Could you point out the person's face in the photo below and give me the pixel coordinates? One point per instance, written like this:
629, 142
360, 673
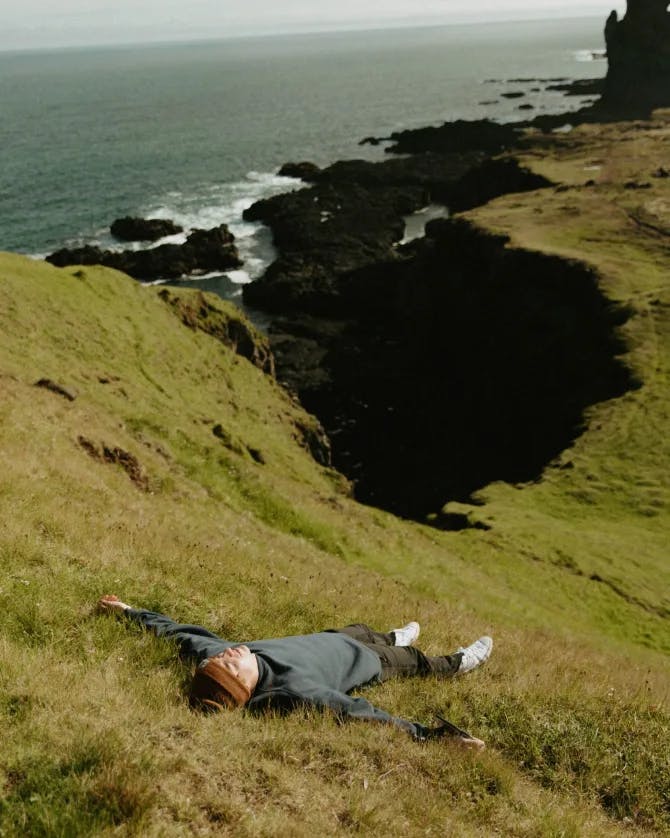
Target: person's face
241, 662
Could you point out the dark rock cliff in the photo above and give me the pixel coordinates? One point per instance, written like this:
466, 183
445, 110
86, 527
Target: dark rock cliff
353, 216
638, 52
465, 363
441, 365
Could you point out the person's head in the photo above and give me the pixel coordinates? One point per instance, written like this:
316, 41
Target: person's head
226, 680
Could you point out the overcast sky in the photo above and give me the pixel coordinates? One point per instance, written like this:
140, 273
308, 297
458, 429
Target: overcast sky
46, 23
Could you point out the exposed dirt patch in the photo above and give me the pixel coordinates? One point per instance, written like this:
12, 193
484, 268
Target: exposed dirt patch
108, 454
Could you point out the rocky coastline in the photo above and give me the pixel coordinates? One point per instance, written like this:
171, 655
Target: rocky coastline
455, 362
442, 364
202, 252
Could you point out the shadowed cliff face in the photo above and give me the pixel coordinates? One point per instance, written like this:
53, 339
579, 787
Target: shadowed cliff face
445, 364
638, 52
468, 363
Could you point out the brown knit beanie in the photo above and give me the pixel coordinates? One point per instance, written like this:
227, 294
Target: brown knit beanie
215, 688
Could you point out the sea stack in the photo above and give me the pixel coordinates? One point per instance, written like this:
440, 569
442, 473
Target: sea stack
638, 52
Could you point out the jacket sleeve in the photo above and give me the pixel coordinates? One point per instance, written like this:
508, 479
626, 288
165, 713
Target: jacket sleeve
194, 641
344, 706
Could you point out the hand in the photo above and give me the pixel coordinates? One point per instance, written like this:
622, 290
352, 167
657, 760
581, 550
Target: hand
110, 603
460, 737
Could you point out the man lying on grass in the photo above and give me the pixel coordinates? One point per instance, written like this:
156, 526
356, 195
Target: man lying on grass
312, 669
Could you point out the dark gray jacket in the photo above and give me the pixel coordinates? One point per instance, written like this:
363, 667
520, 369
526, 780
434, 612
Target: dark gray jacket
313, 669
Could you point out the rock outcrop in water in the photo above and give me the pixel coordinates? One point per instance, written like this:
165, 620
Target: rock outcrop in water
203, 251
638, 52
454, 137
130, 229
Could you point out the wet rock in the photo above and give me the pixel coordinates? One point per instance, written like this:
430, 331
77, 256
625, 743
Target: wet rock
203, 251
430, 171
325, 233
580, 87
458, 136
143, 229
86, 255
304, 171
212, 249
354, 216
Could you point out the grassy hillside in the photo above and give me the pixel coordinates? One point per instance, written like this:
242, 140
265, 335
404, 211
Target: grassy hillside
179, 478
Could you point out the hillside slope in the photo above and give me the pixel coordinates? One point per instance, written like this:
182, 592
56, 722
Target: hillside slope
180, 478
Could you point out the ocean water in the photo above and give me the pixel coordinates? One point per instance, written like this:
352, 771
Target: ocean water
197, 132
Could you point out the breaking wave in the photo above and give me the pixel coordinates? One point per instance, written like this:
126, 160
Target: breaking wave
590, 55
221, 203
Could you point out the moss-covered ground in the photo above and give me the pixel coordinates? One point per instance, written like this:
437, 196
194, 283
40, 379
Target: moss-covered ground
241, 530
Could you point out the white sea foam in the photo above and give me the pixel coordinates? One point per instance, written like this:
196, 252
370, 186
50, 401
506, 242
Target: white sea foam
239, 277
590, 55
415, 224
214, 204
225, 203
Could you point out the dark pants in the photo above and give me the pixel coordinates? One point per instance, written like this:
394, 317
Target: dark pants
401, 661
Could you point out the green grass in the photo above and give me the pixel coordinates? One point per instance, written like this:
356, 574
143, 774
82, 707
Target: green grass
93, 788
572, 580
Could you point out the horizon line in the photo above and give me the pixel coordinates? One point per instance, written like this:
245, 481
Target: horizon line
323, 30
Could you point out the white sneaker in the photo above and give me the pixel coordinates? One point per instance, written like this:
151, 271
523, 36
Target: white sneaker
475, 654
406, 635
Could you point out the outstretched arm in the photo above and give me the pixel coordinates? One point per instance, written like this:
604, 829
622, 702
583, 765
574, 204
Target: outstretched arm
194, 641
347, 707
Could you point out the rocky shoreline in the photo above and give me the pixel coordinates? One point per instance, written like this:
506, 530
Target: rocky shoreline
439, 365
202, 252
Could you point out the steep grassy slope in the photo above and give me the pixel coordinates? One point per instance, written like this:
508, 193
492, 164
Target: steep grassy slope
179, 479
